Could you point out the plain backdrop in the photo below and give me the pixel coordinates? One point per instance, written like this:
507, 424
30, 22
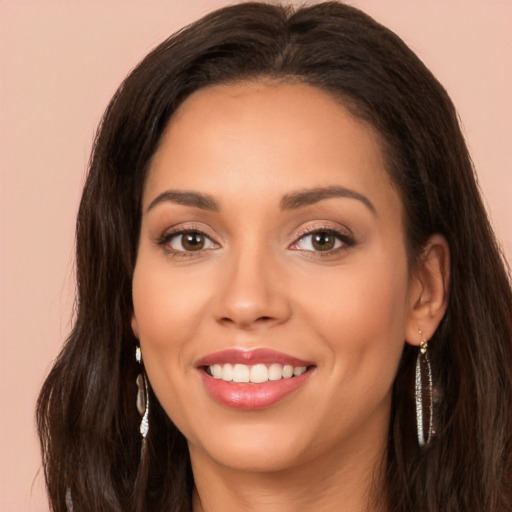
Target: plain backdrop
61, 61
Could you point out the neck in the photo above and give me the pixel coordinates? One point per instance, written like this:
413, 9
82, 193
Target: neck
344, 479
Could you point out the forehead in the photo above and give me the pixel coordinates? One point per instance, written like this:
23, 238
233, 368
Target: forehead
266, 137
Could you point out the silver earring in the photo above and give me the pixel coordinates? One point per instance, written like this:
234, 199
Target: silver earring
423, 393
142, 397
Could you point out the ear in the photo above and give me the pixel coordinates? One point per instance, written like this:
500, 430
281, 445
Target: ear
428, 290
135, 325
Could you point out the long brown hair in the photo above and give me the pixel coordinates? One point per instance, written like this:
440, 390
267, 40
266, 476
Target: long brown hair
86, 413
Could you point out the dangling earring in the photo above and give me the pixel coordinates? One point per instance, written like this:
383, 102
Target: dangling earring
142, 398
423, 393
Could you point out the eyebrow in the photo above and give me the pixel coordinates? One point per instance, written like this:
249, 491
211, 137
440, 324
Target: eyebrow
289, 201
308, 197
186, 198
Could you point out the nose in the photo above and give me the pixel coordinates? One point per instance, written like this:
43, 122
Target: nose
251, 292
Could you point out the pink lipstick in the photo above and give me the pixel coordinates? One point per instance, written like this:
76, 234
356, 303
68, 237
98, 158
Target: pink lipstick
252, 379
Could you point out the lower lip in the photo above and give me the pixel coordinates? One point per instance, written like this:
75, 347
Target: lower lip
252, 396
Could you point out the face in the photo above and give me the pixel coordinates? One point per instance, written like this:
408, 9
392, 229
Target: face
271, 288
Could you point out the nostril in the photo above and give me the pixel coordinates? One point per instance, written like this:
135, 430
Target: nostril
247, 323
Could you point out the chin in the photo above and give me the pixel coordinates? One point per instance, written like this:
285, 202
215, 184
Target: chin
254, 448
252, 457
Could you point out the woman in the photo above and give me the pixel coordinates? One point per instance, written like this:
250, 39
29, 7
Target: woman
284, 261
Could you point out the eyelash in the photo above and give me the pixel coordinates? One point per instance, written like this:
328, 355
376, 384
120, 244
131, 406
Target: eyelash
167, 237
346, 240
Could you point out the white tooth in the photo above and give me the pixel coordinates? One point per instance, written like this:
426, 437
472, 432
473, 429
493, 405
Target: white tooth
299, 370
227, 372
258, 373
275, 372
240, 373
216, 371
287, 371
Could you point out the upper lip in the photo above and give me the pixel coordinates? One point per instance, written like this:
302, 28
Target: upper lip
251, 357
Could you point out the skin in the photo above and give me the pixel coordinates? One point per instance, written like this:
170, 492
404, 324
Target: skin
259, 282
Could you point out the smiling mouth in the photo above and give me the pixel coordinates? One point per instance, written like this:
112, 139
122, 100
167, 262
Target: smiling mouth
253, 379
254, 374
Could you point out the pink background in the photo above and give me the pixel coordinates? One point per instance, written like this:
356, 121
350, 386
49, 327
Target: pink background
60, 62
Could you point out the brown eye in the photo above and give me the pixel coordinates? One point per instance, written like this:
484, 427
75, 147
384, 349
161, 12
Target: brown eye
189, 241
192, 241
323, 241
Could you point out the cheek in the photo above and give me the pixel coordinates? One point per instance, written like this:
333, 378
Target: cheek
359, 319
166, 312
166, 307
172, 306
361, 315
